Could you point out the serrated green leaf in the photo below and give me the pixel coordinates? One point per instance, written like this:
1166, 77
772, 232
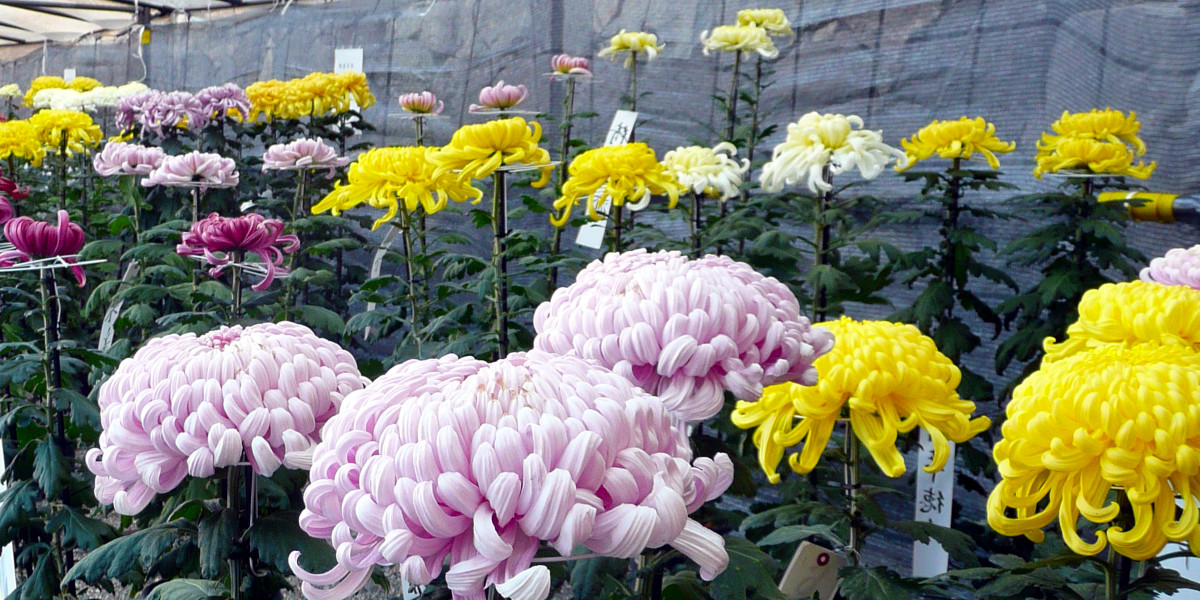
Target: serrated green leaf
43, 581
593, 578
319, 317
794, 533
278, 534
876, 583
51, 469
188, 589
750, 574
79, 530
958, 544
215, 537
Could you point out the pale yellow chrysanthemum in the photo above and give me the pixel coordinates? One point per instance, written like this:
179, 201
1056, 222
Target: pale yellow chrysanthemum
10, 90
19, 138
476, 151
956, 139
41, 83
739, 38
71, 129
773, 20
633, 43
888, 378
1057, 154
818, 141
1117, 416
83, 84
709, 171
385, 177
630, 174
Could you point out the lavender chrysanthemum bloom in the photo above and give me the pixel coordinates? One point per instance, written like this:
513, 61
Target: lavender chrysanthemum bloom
188, 405
120, 158
1179, 267
171, 110
219, 240
482, 462
223, 101
424, 103
131, 108
303, 154
684, 330
200, 169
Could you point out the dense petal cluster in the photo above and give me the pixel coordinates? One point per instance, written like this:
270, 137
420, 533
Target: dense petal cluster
818, 142
1179, 267
565, 64
58, 99
110, 96
44, 82
68, 130
773, 20
227, 101
314, 95
10, 90
476, 151
956, 139
1123, 416
222, 241
739, 38
1102, 142
633, 43
84, 84
173, 110
36, 240
889, 377
303, 153
200, 169
479, 463
709, 171
19, 138
1132, 313
684, 330
500, 97
120, 158
188, 405
630, 175
424, 103
385, 177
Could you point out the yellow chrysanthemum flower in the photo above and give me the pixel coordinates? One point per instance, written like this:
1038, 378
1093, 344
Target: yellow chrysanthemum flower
1106, 125
1057, 154
476, 151
1117, 416
630, 174
354, 84
265, 98
773, 20
10, 90
69, 128
955, 139
889, 377
739, 38
44, 82
383, 177
1131, 313
713, 172
84, 84
314, 95
633, 43
20, 139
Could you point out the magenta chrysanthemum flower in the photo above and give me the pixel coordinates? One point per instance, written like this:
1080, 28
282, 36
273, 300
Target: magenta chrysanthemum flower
10, 188
6, 210
35, 240
684, 330
500, 97
482, 462
565, 64
120, 158
223, 101
200, 169
219, 239
424, 103
1179, 267
187, 405
303, 154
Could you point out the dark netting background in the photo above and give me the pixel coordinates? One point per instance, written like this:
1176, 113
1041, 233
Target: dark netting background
896, 63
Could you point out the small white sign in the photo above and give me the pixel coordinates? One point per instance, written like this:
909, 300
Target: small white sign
377, 264
68, 74
591, 234
935, 497
109, 324
1188, 567
348, 59
813, 571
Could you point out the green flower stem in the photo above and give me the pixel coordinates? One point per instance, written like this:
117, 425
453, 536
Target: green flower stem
52, 364
419, 122
697, 224
241, 497
414, 317
633, 94
822, 232
850, 479
62, 174
953, 210
731, 104
752, 141
564, 157
235, 285
618, 216
500, 259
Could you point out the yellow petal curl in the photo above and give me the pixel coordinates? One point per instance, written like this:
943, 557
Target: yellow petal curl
476, 151
1130, 313
633, 43
1103, 142
75, 128
629, 174
955, 139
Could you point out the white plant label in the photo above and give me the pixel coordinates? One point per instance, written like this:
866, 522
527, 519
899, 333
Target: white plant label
591, 235
935, 496
812, 571
68, 74
348, 59
109, 324
377, 264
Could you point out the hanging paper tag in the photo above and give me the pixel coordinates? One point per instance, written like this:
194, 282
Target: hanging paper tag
1187, 566
109, 324
591, 235
813, 570
377, 264
935, 495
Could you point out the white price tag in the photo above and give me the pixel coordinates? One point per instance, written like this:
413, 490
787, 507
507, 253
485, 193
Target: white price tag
591, 235
935, 497
68, 74
109, 324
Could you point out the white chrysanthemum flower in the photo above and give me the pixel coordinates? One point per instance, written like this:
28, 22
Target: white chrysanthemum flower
817, 141
58, 99
131, 88
11, 90
739, 38
105, 96
711, 171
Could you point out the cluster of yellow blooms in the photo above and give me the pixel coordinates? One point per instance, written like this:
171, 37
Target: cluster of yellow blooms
1099, 142
959, 139
630, 174
753, 32
887, 378
65, 129
19, 139
314, 95
46, 82
1114, 407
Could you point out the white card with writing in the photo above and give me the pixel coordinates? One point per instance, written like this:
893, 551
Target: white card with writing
1188, 567
935, 497
591, 234
813, 570
108, 325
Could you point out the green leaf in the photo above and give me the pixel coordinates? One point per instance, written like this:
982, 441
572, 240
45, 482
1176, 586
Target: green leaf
682, 586
750, 574
795, 533
50, 468
958, 544
16, 504
215, 538
592, 578
43, 582
278, 534
188, 589
322, 318
118, 559
877, 583
80, 530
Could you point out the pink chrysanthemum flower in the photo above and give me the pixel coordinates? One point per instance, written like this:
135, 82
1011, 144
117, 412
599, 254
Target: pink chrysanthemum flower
482, 462
131, 108
684, 330
224, 101
500, 97
201, 169
120, 158
6, 210
36, 240
303, 154
188, 405
565, 64
1179, 267
424, 103
219, 239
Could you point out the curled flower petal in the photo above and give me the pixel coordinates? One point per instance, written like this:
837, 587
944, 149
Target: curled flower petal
1179, 267
220, 239
818, 142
